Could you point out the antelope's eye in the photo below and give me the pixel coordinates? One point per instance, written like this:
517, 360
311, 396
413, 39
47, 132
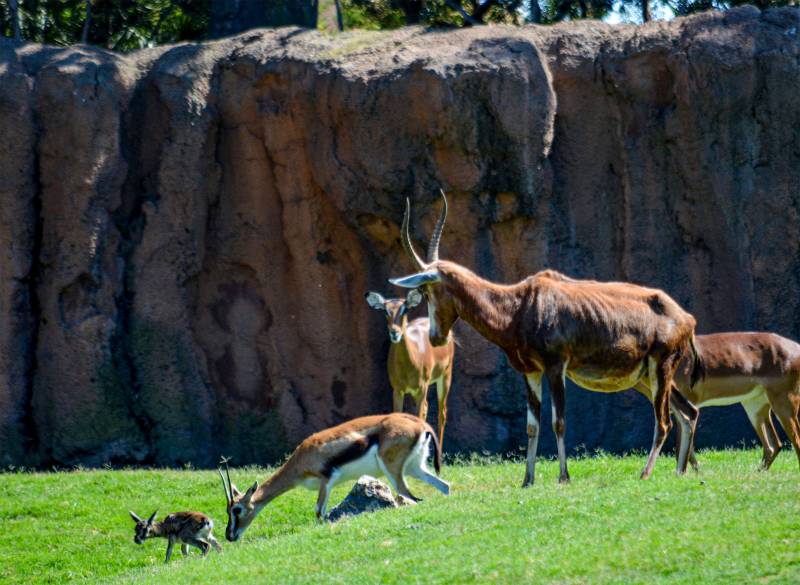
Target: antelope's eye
237, 511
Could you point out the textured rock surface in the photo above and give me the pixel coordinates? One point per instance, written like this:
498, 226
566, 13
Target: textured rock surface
187, 232
367, 495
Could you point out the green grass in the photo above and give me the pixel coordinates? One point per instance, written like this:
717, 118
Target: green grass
727, 524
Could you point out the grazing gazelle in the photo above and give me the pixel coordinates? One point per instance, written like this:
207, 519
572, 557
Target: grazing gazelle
190, 528
414, 364
393, 445
760, 371
604, 336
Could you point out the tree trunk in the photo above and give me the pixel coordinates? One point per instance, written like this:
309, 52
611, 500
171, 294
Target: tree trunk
535, 12
14, 7
87, 23
412, 10
645, 10
339, 18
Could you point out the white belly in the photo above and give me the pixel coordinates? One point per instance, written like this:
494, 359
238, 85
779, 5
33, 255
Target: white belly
367, 464
728, 400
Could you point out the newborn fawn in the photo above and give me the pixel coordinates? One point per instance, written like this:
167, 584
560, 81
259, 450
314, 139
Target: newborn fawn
190, 528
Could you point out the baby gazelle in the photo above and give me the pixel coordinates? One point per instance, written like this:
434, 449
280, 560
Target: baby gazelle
393, 445
190, 528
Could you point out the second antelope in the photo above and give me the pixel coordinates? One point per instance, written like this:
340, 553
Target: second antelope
188, 528
386, 444
760, 371
414, 363
604, 336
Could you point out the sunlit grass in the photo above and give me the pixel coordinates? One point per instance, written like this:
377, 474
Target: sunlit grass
728, 524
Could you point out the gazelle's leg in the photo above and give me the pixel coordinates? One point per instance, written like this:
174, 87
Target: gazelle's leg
786, 408
660, 376
686, 414
170, 544
442, 391
418, 467
201, 544
422, 403
772, 434
184, 549
393, 470
215, 543
325, 487
397, 400
555, 379
533, 382
757, 410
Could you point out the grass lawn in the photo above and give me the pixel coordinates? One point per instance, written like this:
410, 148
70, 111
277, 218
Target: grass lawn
727, 524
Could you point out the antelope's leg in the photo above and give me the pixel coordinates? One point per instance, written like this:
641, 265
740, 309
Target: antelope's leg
660, 376
215, 543
393, 470
442, 391
555, 379
325, 487
423, 403
774, 440
201, 544
170, 544
786, 410
397, 400
686, 415
757, 410
533, 382
184, 549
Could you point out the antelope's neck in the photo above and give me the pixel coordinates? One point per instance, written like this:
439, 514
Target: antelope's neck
279, 483
489, 307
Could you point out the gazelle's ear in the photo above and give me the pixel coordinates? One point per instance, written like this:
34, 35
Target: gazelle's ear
235, 491
375, 301
134, 516
414, 298
249, 493
152, 517
418, 279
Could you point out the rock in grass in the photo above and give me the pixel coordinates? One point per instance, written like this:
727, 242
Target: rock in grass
368, 495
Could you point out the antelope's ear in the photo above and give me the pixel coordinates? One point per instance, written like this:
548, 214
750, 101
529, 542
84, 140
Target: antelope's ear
134, 516
418, 279
152, 517
375, 301
235, 491
414, 298
249, 493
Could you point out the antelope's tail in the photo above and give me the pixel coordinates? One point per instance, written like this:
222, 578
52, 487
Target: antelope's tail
698, 365
437, 453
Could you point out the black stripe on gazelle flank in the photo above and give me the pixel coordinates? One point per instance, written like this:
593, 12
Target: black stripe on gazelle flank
352, 452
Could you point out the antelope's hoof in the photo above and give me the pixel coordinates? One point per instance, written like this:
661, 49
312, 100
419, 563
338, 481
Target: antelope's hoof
564, 479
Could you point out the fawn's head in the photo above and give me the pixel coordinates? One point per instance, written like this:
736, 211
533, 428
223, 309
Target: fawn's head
144, 528
396, 311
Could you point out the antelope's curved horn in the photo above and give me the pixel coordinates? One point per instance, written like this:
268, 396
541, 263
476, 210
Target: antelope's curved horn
224, 486
406, 239
433, 247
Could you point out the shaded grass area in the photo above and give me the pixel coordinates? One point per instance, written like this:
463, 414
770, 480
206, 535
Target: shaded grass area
728, 524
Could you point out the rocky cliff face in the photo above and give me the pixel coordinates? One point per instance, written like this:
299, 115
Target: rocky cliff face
187, 233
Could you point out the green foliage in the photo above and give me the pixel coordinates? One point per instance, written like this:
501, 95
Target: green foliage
728, 524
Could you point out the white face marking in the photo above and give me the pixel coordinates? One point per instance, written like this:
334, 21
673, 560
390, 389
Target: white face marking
434, 325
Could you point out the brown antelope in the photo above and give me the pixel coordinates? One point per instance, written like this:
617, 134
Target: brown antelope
604, 336
414, 364
387, 444
190, 528
760, 371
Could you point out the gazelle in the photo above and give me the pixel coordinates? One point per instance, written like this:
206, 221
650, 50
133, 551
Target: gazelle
388, 444
190, 528
760, 371
414, 364
604, 336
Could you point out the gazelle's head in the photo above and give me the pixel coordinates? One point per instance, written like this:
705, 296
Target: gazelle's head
441, 305
241, 509
396, 311
144, 528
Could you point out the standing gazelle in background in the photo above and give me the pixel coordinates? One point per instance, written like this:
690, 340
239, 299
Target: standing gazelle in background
414, 363
188, 528
760, 371
604, 336
386, 444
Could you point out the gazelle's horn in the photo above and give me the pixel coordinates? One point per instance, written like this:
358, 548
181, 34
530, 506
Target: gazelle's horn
227, 487
433, 248
406, 239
